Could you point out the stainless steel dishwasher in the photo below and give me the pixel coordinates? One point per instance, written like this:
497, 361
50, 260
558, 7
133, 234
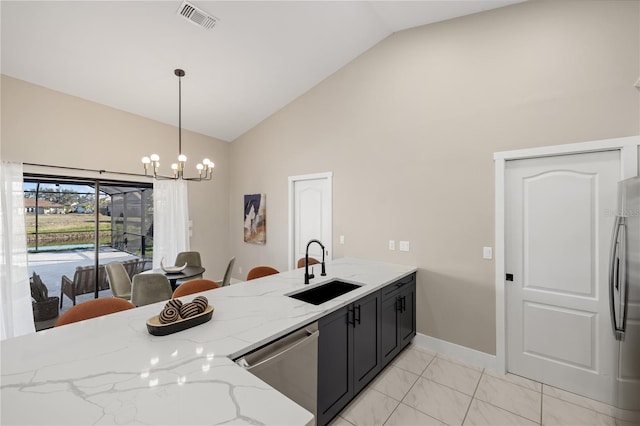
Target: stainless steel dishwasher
290, 365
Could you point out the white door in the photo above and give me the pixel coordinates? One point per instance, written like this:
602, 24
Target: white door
310, 216
559, 218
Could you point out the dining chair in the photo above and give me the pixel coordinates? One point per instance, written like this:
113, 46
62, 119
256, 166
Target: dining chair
227, 274
119, 281
312, 261
150, 288
261, 271
92, 309
191, 258
194, 286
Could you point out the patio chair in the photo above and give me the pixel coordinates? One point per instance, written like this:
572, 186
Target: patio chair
132, 267
150, 288
119, 279
83, 282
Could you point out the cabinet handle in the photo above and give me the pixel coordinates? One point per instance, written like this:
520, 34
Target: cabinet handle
352, 321
358, 318
399, 304
404, 303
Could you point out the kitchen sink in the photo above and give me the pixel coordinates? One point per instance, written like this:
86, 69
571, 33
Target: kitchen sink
325, 292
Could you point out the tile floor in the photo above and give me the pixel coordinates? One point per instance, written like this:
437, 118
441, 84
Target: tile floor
425, 388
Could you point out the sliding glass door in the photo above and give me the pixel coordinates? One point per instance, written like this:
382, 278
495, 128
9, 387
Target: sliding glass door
76, 226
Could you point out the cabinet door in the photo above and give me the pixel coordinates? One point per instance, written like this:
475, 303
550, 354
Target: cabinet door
389, 326
407, 315
366, 340
335, 358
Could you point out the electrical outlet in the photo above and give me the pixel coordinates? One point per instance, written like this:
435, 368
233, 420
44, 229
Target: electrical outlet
487, 253
404, 245
341, 239
392, 244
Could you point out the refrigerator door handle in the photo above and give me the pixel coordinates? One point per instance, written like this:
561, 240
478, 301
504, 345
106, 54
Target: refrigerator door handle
617, 273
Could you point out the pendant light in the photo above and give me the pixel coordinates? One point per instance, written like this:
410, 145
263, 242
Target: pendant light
205, 169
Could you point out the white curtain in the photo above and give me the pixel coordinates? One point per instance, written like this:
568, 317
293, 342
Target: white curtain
16, 315
170, 220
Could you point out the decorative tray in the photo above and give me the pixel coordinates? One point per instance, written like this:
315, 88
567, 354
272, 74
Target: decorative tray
155, 327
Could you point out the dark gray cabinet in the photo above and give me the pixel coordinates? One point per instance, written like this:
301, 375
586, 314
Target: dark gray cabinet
358, 340
335, 360
398, 312
348, 354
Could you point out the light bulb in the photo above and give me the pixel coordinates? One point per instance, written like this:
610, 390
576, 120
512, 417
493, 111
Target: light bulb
206, 161
182, 158
146, 160
155, 157
199, 166
174, 166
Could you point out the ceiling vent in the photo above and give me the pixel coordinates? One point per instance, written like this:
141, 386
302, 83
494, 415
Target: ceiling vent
196, 15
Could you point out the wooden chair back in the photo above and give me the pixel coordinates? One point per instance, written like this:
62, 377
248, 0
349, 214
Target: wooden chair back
194, 286
92, 309
261, 271
312, 261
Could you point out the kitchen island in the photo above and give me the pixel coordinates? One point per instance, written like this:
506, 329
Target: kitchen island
110, 370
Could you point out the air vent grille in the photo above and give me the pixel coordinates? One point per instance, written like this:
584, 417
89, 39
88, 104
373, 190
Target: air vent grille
197, 16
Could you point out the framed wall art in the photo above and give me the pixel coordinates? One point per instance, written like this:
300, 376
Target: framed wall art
255, 219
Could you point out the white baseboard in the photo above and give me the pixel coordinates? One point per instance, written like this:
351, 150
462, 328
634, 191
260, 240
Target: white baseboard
464, 354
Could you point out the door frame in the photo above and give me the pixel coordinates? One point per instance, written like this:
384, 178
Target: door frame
292, 181
628, 147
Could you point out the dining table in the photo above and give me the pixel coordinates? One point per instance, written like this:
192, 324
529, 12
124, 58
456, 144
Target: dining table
174, 277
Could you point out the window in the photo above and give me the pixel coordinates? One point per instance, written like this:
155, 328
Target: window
62, 217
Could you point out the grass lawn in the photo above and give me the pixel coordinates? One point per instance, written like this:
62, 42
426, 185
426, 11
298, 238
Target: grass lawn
72, 222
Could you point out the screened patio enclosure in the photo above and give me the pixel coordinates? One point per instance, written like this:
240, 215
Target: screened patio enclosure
73, 222
65, 214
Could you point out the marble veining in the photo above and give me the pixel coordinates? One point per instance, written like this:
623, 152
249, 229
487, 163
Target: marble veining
110, 370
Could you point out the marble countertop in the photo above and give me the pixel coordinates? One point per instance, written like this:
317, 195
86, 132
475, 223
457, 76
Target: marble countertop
110, 370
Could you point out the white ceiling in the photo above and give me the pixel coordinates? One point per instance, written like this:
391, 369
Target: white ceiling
259, 57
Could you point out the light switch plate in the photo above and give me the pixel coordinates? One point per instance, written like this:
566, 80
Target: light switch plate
487, 253
392, 244
404, 245
341, 239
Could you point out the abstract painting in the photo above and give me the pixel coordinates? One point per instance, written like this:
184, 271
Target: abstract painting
255, 219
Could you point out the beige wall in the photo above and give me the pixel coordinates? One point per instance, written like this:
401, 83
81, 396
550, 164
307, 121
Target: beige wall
409, 129
42, 126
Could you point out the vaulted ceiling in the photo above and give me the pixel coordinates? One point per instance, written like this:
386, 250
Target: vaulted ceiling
257, 58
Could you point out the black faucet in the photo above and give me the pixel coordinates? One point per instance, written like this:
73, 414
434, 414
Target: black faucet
306, 262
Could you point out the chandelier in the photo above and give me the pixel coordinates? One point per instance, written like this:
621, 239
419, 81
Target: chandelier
205, 169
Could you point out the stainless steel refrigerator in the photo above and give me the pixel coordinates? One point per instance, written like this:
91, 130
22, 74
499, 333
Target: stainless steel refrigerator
624, 296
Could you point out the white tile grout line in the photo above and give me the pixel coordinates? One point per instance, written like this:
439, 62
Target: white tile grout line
473, 397
407, 392
504, 409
